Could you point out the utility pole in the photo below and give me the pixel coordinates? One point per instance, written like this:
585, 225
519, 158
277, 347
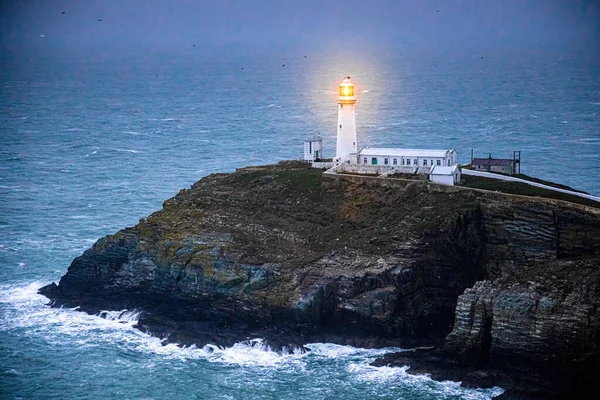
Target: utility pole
517, 161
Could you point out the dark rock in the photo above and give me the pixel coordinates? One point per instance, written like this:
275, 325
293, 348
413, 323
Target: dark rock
506, 287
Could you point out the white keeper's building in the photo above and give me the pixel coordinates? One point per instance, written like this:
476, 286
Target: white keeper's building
440, 164
406, 157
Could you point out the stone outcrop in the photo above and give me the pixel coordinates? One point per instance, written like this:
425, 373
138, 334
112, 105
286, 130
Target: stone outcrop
500, 284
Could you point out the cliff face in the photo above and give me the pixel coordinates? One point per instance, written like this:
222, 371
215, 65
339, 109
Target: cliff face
286, 253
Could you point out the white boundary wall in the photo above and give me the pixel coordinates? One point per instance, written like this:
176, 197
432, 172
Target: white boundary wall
359, 169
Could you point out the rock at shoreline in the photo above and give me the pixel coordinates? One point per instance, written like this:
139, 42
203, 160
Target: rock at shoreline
506, 287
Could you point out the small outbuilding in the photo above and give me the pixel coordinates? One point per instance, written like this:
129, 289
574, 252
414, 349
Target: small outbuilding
502, 165
313, 149
445, 175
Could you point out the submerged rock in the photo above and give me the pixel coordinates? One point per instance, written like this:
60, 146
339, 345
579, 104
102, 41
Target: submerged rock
506, 287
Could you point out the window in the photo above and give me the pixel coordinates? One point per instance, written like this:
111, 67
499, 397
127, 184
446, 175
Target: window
365, 160
415, 162
395, 161
403, 161
386, 161
374, 161
408, 162
340, 126
424, 162
439, 162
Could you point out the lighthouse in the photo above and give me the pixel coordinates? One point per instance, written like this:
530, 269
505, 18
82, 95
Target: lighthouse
346, 129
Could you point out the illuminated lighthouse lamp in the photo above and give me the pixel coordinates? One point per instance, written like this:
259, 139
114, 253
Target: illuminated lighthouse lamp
346, 88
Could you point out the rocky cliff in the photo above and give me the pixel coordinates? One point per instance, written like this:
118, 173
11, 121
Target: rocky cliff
507, 287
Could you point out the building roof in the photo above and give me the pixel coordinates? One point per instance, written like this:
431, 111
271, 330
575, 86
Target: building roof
317, 139
394, 152
443, 170
492, 162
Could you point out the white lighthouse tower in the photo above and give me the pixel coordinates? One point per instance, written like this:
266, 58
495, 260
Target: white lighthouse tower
346, 130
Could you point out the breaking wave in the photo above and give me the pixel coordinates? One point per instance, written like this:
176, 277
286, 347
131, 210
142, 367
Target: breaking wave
27, 312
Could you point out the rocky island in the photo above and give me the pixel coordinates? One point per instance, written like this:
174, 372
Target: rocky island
502, 289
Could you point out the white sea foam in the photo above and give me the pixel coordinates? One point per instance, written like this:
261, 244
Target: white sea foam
252, 353
128, 151
330, 350
123, 315
26, 311
589, 140
399, 377
161, 119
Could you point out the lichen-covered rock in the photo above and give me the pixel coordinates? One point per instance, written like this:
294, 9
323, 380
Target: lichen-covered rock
286, 253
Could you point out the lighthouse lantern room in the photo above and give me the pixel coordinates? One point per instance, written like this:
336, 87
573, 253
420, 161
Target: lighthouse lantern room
346, 130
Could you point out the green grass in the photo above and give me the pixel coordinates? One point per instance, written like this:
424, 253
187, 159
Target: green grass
523, 189
548, 183
533, 179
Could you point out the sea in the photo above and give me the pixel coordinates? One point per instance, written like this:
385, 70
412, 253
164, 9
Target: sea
90, 142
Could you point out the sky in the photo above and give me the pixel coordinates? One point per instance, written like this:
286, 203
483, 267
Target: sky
423, 24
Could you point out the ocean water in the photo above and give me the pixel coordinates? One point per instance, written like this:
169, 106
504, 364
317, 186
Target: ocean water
90, 143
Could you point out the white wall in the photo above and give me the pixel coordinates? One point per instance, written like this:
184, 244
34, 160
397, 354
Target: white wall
381, 160
442, 179
310, 147
346, 131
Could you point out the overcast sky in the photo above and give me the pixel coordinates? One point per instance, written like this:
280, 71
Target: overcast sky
417, 23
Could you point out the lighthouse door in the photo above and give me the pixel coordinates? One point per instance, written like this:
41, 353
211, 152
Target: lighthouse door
316, 154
